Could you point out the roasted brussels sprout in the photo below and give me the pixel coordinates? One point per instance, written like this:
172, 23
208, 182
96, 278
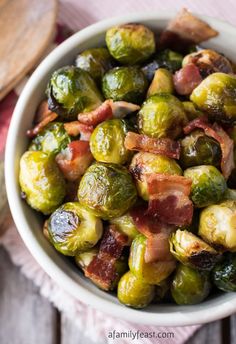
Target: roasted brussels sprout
134, 292
218, 225
162, 82
191, 111
95, 61
199, 149
125, 224
192, 251
51, 140
145, 163
83, 259
130, 43
125, 83
73, 229
107, 190
72, 90
216, 95
162, 115
224, 274
152, 273
41, 181
208, 185
189, 286
107, 142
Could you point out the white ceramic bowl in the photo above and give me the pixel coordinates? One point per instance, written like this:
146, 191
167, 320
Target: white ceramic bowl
28, 222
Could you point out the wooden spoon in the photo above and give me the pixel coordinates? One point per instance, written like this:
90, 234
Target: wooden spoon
26, 29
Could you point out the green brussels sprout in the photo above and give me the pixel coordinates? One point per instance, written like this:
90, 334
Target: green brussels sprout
216, 95
191, 111
125, 83
130, 43
224, 274
72, 90
162, 115
134, 292
152, 273
144, 163
107, 142
208, 185
95, 61
189, 286
51, 140
192, 251
83, 259
125, 225
230, 194
73, 229
162, 82
218, 225
41, 181
107, 190
199, 149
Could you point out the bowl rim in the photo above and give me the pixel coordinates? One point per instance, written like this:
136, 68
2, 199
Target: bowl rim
180, 318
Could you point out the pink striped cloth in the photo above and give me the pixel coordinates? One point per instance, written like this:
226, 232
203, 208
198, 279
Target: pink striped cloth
76, 14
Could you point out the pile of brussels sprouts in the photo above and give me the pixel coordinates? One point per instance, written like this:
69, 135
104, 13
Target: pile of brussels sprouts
131, 68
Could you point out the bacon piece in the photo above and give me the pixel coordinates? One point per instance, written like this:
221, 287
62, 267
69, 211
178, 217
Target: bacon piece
218, 133
121, 109
164, 146
186, 79
113, 242
159, 183
75, 128
158, 248
100, 114
75, 159
42, 112
39, 127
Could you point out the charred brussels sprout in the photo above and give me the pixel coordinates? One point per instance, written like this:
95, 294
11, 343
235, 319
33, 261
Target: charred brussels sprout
224, 274
192, 251
208, 185
107, 189
107, 142
189, 286
51, 140
216, 95
146, 163
95, 61
152, 273
83, 259
41, 181
162, 115
199, 149
125, 83
191, 111
73, 229
130, 43
72, 90
218, 225
134, 292
125, 224
162, 82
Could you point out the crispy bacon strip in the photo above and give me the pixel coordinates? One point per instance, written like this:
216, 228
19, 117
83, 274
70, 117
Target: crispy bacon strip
74, 160
159, 183
42, 112
164, 146
75, 128
39, 127
158, 248
186, 79
218, 133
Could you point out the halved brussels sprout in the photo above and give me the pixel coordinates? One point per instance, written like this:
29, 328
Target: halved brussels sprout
162, 115
41, 181
192, 251
190, 286
208, 185
125, 83
218, 225
199, 149
125, 224
152, 273
224, 274
83, 259
216, 95
134, 292
73, 229
146, 163
107, 142
95, 61
72, 90
130, 43
162, 82
51, 140
191, 111
107, 190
